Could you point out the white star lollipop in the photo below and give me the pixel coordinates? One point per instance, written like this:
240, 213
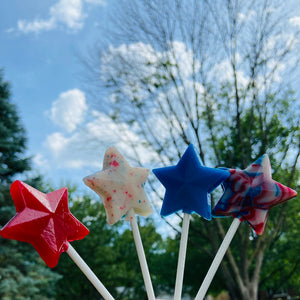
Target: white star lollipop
121, 188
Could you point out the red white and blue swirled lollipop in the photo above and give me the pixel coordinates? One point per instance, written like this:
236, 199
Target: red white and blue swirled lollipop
249, 194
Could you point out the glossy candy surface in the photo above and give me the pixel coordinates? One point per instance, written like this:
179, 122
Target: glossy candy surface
43, 220
250, 193
188, 185
120, 186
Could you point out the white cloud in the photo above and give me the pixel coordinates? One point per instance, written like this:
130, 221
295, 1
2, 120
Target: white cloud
182, 60
97, 2
36, 25
40, 161
68, 111
295, 21
276, 68
86, 146
242, 18
136, 65
56, 142
68, 13
70, 152
223, 73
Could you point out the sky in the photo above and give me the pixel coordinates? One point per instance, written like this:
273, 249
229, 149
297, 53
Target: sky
41, 42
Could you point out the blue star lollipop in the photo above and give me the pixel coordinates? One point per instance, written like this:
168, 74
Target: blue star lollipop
188, 185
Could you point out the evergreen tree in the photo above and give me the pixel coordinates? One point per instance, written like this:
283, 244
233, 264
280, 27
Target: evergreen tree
23, 275
12, 138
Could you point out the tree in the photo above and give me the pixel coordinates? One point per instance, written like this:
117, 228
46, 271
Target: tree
219, 74
110, 252
13, 140
282, 263
23, 275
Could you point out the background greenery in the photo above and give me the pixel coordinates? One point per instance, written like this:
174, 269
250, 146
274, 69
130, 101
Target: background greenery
230, 123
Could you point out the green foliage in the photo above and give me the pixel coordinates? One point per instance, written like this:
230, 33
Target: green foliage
111, 254
281, 269
261, 129
12, 138
25, 279
23, 275
217, 74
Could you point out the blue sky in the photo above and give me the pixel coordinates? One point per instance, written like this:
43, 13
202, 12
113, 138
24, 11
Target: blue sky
39, 42
39, 46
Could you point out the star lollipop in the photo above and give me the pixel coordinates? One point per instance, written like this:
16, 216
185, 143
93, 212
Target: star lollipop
121, 188
189, 184
250, 193
248, 196
45, 221
188, 187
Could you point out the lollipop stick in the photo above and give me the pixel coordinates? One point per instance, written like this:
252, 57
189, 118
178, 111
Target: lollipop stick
181, 256
218, 258
141, 254
89, 273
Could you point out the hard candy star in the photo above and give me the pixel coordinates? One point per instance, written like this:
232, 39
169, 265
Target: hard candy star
120, 186
249, 194
43, 220
188, 185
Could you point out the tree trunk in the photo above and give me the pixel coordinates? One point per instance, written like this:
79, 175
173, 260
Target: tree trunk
242, 276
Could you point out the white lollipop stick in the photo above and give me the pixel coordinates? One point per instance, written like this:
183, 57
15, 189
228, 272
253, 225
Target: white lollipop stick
89, 273
218, 258
181, 256
141, 254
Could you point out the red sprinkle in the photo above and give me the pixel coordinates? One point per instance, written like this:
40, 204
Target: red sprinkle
114, 163
91, 182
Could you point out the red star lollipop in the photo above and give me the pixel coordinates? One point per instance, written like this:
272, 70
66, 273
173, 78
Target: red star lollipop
43, 220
